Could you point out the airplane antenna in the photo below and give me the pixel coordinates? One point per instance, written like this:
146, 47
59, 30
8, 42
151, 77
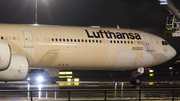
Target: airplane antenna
118, 27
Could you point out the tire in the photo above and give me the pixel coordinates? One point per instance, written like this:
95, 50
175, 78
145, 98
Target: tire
137, 81
132, 80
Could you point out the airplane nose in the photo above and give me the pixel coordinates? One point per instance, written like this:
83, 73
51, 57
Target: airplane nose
171, 53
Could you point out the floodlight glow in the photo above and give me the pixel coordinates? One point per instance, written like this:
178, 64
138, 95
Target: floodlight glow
151, 83
28, 79
163, 0
151, 75
170, 68
151, 71
35, 24
39, 79
163, 3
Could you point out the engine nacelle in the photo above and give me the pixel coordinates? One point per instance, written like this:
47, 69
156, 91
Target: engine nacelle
5, 55
17, 70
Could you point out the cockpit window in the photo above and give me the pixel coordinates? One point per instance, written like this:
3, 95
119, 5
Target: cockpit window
164, 43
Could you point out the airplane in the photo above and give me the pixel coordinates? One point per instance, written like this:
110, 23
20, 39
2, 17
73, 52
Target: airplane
68, 47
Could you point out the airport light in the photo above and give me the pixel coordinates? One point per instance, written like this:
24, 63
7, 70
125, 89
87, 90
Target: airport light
151, 75
151, 71
177, 73
163, 2
65, 72
76, 79
170, 68
151, 83
40, 79
65, 76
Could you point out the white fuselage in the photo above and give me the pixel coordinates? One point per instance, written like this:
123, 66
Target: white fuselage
66, 47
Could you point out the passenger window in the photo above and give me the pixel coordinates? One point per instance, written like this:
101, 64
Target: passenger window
67, 40
71, 40
131, 42
110, 41
114, 41
89, 40
117, 41
124, 42
86, 40
14, 38
96, 41
56, 39
82, 40
100, 41
121, 41
59, 39
134, 42
74, 40
64, 40
78, 40
93, 41
138, 42
128, 42
52, 39
1, 37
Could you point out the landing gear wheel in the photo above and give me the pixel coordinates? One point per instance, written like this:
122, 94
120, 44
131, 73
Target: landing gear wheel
131, 80
135, 80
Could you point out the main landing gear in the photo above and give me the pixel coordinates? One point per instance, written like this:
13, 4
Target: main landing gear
135, 79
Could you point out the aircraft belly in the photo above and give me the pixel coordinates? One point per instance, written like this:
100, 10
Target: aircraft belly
71, 56
126, 58
149, 56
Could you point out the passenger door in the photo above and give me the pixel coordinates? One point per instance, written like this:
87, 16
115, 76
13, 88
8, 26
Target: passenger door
28, 39
150, 46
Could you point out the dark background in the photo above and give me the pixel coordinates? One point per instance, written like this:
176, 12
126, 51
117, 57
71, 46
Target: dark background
145, 15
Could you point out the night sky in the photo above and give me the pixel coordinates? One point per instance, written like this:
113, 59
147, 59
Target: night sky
145, 15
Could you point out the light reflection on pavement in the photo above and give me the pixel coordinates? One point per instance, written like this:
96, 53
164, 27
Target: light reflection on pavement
84, 94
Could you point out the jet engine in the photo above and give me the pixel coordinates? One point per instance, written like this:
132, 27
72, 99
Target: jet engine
17, 70
5, 55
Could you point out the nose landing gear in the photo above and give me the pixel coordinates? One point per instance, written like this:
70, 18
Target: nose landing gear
135, 79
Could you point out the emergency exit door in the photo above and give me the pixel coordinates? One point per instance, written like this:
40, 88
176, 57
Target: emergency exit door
28, 39
150, 46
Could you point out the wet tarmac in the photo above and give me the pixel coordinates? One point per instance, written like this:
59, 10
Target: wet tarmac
115, 94
98, 81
